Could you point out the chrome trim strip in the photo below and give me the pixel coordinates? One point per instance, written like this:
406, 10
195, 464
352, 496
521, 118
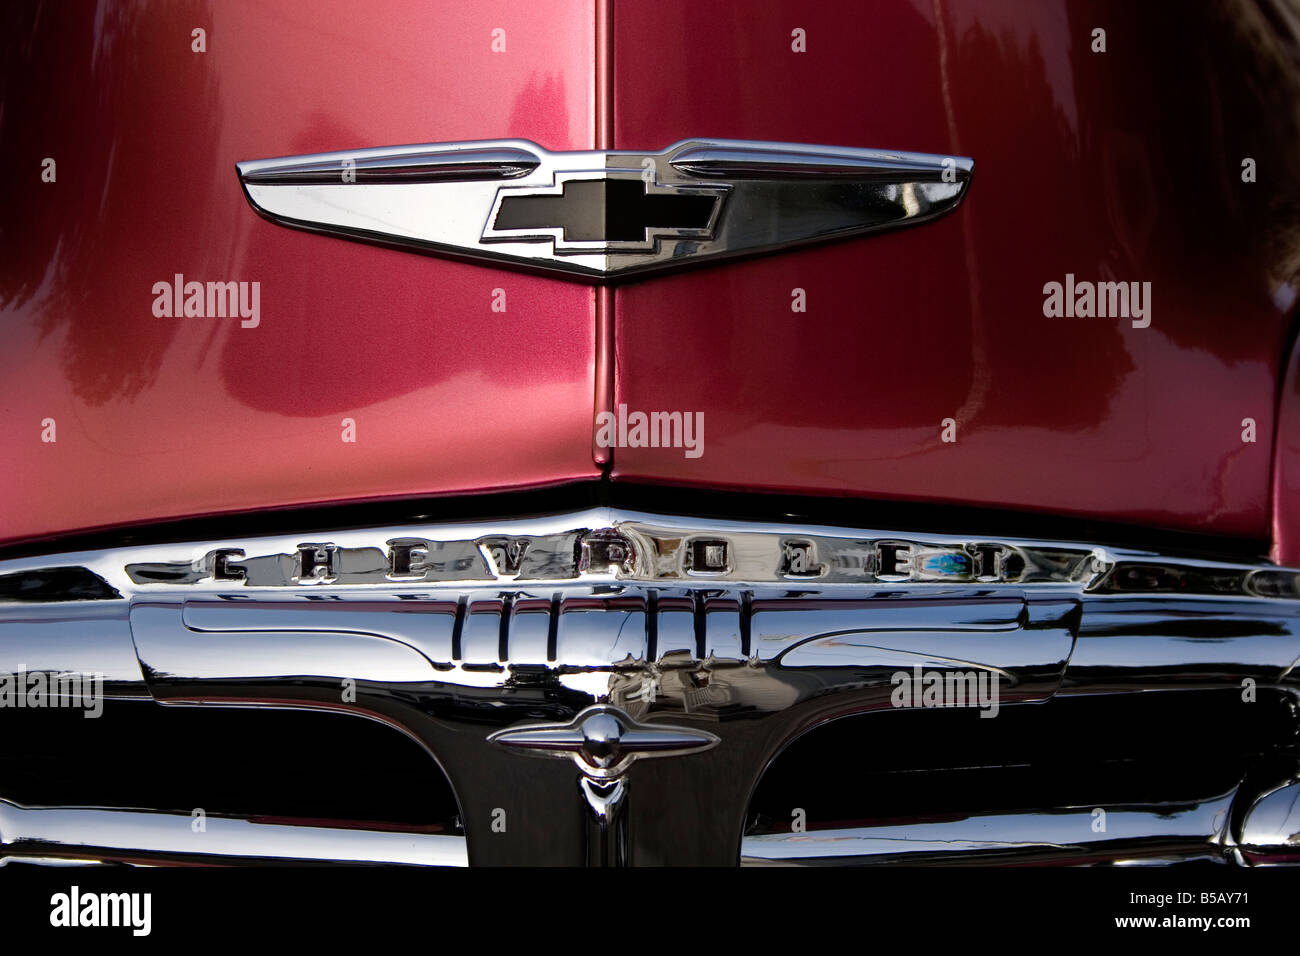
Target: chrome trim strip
798, 649
738, 160
615, 546
1130, 834
139, 836
402, 164
86, 638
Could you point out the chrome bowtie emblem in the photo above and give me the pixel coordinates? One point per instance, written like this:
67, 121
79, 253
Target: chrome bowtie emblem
604, 741
604, 213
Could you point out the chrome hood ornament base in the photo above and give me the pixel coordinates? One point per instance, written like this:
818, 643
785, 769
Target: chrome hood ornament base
604, 742
604, 214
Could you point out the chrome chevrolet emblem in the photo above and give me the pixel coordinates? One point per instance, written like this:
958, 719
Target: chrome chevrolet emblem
603, 214
605, 211
604, 741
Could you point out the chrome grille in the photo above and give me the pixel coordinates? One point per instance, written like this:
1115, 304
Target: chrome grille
596, 623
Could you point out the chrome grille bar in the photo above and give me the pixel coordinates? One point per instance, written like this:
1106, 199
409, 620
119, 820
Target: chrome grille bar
145, 837
1065, 835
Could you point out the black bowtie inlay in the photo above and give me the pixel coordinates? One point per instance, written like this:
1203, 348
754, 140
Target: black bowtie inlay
605, 210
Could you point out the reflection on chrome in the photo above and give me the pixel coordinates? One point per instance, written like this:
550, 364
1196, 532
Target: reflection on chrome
1271, 830
1056, 836
83, 834
743, 633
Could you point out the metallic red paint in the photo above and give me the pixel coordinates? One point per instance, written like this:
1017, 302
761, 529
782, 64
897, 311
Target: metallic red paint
159, 418
1286, 467
1124, 168
1123, 165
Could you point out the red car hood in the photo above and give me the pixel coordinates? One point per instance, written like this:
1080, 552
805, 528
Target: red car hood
1117, 166
1084, 416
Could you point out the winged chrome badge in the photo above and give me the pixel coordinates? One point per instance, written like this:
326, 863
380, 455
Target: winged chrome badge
603, 741
604, 213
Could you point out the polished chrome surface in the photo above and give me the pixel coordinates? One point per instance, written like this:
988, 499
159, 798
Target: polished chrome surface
1270, 831
607, 843
627, 547
740, 160
682, 629
83, 637
89, 834
1063, 836
409, 164
447, 198
603, 741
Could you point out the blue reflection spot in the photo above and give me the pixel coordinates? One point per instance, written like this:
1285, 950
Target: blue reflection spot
948, 564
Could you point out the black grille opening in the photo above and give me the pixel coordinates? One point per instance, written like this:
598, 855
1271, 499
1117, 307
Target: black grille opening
56, 584
915, 766
274, 765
